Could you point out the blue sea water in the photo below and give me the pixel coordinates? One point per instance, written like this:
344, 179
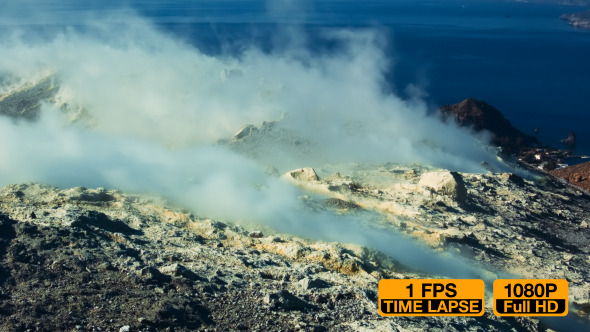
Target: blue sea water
519, 57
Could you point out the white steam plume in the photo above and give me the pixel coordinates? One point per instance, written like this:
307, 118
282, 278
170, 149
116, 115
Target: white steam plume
158, 106
136, 81
208, 180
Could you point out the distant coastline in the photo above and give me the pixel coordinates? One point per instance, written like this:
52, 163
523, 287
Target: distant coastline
578, 20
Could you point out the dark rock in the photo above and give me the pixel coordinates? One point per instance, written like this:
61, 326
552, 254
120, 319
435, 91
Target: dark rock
337, 203
570, 140
25, 102
479, 116
178, 270
106, 266
287, 301
308, 283
245, 131
154, 275
101, 220
217, 280
7, 233
513, 178
256, 234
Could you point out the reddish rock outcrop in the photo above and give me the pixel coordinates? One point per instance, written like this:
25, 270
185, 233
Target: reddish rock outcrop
576, 174
480, 116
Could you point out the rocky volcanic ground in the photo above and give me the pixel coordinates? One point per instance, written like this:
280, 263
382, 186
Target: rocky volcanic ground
96, 259
531, 229
101, 260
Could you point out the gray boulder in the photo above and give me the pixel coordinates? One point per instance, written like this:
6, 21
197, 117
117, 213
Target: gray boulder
445, 183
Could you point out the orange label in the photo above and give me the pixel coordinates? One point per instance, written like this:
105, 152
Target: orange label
530, 297
431, 297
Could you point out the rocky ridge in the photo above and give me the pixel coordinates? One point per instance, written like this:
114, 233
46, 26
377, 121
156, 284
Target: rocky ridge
479, 115
530, 152
23, 99
101, 260
534, 229
93, 258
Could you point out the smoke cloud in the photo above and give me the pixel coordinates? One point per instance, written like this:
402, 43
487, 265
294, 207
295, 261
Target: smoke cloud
152, 114
209, 180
